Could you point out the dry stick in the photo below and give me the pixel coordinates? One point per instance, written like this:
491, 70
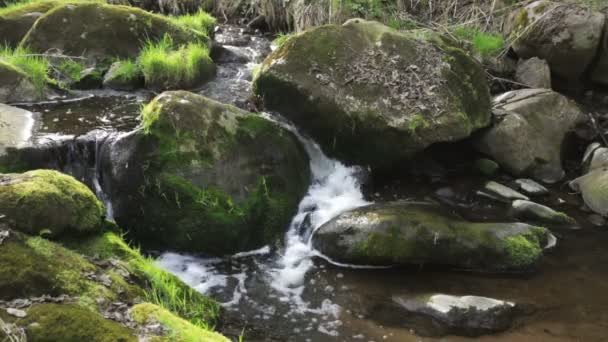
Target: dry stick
43, 55
597, 128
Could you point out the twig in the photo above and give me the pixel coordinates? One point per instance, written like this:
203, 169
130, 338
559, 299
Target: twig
43, 55
597, 128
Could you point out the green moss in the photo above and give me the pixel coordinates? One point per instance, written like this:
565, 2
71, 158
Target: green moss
35, 68
487, 167
200, 21
71, 323
418, 121
179, 329
282, 38
169, 66
48, 200
522, 251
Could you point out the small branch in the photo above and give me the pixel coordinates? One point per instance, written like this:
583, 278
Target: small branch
43, 55
597, 128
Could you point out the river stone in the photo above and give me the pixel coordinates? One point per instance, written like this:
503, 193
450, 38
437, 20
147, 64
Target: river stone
371, 95
100, 31
594, 188
16, 126
530, 127
417, 233
204, 177
15, 85
538, 213
534, 73
17, 21
502, 192
49, 202
596, 159
16, 312
459, 315
566, 36
531, 187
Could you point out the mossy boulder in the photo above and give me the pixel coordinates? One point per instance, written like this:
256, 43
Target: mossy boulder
567, 36
201, 176
16, 21
15, 86
372, 95
529, 130
49, 202
418, 233
101, 31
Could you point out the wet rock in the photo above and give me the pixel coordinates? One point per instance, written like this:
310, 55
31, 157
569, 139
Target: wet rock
16, 312
201, 176
594, 188
456, 315
15, 85
370, 95
534, 73
15, 128
531, 187
566, 36
596, 220
534, 212
123, 75
502, 192
530, 127
49, 202
596, 158
90, 78
417, 233
98, 31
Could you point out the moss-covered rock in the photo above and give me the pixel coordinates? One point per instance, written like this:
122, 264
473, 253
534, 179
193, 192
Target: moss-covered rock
17, 20
49, 202
101, 31
205, 177
567, 36
15, 86
416, 233
178, 329
372, 95
72, 323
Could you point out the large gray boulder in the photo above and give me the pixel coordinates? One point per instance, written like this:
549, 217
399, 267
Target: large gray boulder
372, 95
200, 176
529, 129
567, 36
16, 126
418, 233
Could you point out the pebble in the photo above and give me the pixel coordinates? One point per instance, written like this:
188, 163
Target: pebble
531, 187
501, 192
16, 312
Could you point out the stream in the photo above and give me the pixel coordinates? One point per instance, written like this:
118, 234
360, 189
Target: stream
288, 291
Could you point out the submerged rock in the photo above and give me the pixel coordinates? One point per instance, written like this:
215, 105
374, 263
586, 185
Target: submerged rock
100, 31
15, 86
567, 36
538, 213
415, 233
455, 315
49, 202
530, 127
371, 95
201, 176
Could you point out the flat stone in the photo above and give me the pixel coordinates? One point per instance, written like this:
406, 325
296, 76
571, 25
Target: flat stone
503, 192
16, 127
531, 211
16, 312
531, 187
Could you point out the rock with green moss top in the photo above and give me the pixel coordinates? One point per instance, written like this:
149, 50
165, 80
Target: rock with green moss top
201, 176
49, 202
567, 36
15, 86
178, 329
69, 322
100, 31
528, 133
17, 20
537, 213
372, 95
418, 233
124, 75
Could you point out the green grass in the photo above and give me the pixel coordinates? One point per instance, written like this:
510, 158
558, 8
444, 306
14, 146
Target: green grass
35, 67
127, 69
71, 69
166, 66
200, 21
282, 38
485, 43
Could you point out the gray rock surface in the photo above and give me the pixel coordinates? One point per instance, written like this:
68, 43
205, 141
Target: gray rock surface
534, 73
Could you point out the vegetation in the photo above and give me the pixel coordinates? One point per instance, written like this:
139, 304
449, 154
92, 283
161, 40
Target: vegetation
167, 66
485, 43
34, 66
71, 69
200, 21
282, 38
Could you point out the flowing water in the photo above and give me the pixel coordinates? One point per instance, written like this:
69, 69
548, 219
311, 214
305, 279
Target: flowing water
288, 291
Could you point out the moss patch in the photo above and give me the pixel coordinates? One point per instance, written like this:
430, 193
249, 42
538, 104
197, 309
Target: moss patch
49, 201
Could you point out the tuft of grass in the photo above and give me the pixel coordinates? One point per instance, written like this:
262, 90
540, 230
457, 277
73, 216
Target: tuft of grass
485, 43
166, 66
282, 38
127, 69
200, 21
71, 69
35, 67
